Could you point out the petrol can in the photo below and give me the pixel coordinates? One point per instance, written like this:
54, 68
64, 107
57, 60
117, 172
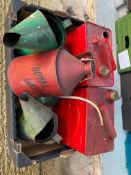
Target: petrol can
126, 100
79, 123
125, 87
123, 37
126, 116
51, 73
97, 41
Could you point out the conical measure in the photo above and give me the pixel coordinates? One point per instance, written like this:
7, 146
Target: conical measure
34, 33
58, 26
38, 122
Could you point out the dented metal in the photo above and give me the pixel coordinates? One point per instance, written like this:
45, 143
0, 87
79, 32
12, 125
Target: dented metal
79, 124
53, 73
37, 122
32, 33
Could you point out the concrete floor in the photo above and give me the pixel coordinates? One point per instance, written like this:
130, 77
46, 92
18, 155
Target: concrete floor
77, 164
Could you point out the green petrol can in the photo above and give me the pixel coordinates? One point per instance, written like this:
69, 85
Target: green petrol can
123, 38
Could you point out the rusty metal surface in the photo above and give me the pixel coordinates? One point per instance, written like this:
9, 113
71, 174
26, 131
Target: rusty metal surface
62, 79
6, 165
31, 33
34, 120
87, 166
82, 130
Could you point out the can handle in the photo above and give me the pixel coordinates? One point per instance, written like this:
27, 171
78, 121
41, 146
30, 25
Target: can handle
86, 60
110, 133
66, 23
89, 76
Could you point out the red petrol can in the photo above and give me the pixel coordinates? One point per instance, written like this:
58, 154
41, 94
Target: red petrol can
79, 123
97, 41
52, 73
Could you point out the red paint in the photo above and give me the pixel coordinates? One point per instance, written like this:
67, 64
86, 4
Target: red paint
89, 38
79, 123
51, 73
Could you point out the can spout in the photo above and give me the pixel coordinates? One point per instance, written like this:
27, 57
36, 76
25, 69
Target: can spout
11, 39
24, 97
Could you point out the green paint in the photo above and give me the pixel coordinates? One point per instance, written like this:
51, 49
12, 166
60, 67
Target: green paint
36, 33
66, 23
49, 101
23, 52
123, 30
33, 120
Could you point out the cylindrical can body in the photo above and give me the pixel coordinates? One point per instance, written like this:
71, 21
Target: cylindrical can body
51, 73
34, 74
